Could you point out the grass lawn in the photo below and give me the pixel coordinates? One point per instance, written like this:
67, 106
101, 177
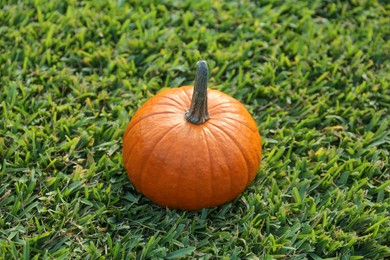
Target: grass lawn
314, 74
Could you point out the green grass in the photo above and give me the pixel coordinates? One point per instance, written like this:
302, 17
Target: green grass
314, 74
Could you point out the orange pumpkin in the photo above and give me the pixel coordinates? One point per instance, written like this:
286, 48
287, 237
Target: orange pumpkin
192, 147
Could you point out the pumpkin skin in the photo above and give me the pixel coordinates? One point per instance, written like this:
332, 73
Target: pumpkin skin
186, 166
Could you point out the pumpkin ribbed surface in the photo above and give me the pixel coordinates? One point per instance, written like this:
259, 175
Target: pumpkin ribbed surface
182, 165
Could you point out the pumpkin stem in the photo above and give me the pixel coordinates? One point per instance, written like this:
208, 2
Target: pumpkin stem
198, 114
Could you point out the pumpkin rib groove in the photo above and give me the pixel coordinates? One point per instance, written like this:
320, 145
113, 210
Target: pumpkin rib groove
177, 194
142, 173
131, 152
238, 146
142, 118
227, 164
170, 106
173, 100
222, 114
210, 163
220, 104
184, 98
168, 149
238, 121
237, 111
248, 180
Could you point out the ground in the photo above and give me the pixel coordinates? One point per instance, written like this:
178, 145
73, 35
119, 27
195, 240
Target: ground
314, 74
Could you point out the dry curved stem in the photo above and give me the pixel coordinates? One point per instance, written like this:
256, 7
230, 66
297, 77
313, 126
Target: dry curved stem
198, 114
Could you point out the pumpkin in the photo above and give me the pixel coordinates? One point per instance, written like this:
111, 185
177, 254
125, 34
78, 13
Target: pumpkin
192, 147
